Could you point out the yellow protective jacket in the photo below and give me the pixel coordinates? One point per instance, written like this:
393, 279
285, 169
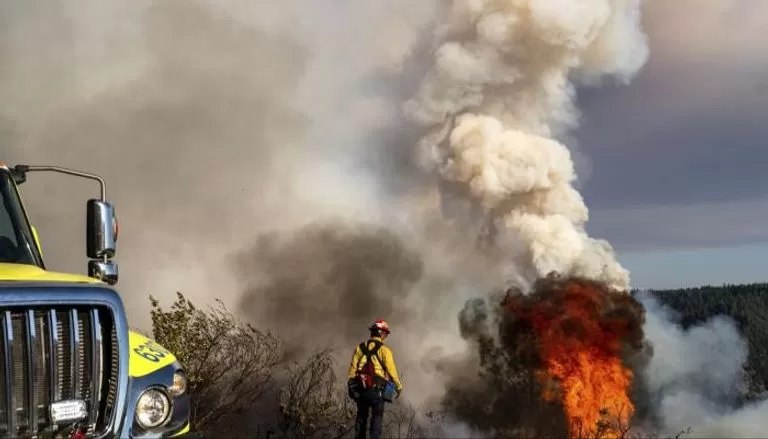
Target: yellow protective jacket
385, 354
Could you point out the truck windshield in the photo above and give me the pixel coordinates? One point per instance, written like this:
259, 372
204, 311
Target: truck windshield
17, 244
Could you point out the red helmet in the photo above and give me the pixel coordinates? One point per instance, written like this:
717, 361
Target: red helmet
379, 325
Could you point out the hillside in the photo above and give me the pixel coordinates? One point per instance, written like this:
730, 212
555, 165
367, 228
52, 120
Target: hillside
747, 304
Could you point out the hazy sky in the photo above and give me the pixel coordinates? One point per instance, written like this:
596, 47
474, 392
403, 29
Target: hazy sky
678, 160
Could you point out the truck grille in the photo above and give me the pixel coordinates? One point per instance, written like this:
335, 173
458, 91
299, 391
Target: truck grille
52, 354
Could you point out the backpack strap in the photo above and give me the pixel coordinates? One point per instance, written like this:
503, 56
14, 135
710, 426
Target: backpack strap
372, 353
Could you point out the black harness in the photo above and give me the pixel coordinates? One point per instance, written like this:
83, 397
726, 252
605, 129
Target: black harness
368, 354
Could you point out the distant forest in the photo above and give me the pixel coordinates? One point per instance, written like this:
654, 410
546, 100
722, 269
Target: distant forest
746, 304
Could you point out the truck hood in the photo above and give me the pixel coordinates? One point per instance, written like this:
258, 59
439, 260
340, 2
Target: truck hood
146, 355
31, 273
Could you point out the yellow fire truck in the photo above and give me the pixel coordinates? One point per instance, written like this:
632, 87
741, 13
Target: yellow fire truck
69, 365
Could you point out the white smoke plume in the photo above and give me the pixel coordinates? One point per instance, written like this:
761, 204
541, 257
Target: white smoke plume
500, 92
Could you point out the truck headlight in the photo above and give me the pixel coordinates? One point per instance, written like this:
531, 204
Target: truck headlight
179, 385
152, 409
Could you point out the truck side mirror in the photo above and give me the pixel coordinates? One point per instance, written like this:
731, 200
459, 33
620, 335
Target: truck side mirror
101, 240
103, 271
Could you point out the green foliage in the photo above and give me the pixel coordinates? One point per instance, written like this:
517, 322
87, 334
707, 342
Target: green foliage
228, 363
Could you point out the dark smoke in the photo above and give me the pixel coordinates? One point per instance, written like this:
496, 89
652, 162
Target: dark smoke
503, 394
325, 282
184, 109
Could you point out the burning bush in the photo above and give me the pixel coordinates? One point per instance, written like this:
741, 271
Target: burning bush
556, 362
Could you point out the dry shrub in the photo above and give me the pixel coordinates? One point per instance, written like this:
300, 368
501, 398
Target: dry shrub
229, 364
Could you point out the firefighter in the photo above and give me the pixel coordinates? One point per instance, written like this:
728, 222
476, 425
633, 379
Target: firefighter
372, 383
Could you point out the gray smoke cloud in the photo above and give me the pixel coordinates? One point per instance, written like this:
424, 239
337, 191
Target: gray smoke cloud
211, 121
167, 101
324, 282
331, 279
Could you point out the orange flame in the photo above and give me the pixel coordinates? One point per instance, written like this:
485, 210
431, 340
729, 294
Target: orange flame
579, 343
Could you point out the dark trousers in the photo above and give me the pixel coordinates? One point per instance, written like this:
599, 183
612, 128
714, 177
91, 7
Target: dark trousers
370, 403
